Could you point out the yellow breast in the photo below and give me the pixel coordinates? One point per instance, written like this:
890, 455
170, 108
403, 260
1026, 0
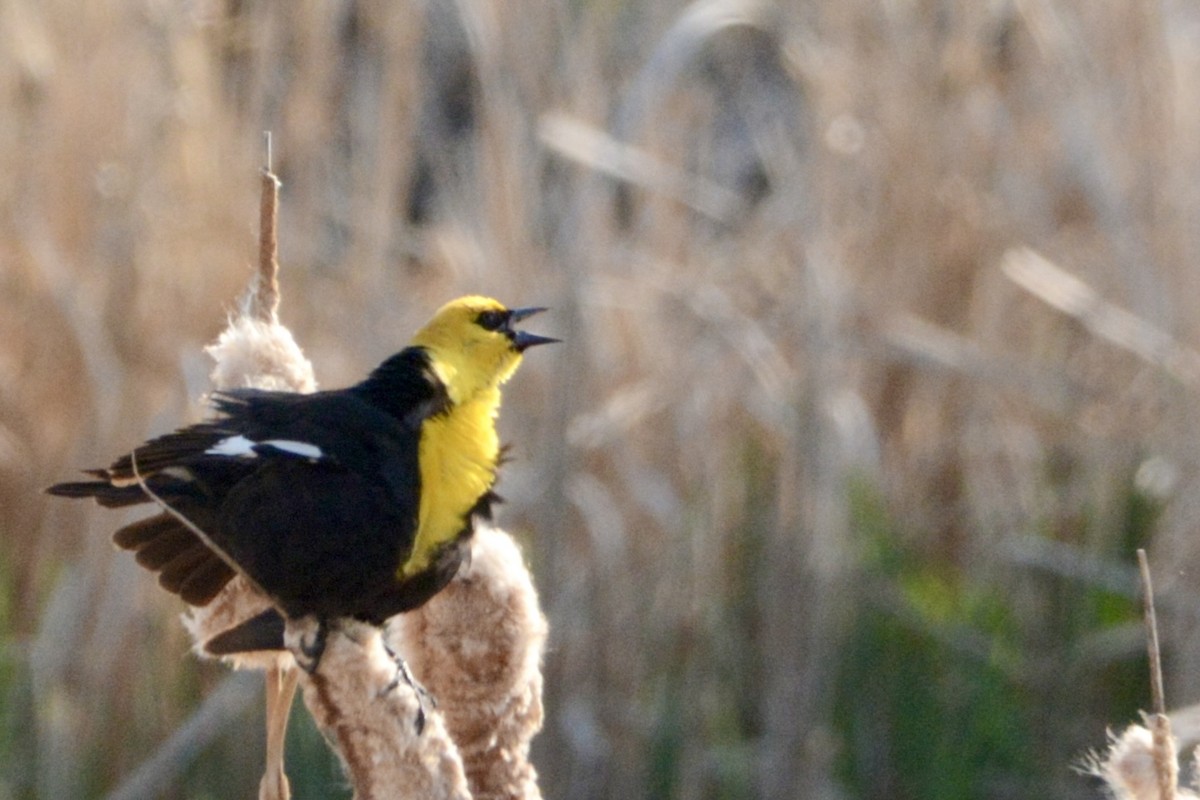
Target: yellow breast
458, 455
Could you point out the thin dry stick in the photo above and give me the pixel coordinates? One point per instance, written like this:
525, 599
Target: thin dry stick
1157, 697
280, 689
1165, 766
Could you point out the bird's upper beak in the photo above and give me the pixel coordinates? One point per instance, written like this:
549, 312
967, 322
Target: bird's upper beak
523, 340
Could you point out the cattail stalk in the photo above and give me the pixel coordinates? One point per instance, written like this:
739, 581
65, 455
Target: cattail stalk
476, 646
256, 351
265, 298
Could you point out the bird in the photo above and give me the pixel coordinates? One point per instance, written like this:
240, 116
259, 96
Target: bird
349, 504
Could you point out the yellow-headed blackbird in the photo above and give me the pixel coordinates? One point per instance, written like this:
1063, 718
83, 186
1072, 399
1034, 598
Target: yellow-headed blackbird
354, 503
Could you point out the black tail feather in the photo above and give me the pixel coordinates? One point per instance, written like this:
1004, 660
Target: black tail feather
105, 493
175, 572
137, 534
202, 584
157, 553
173, 449
186, 565
79, 488
262, 632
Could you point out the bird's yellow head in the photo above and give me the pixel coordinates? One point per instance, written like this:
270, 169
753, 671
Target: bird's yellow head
473, 344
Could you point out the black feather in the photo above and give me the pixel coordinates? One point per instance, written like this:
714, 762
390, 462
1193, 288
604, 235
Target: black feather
183, 564
322, 537
136, 534
160, 551
203, 583
262, 632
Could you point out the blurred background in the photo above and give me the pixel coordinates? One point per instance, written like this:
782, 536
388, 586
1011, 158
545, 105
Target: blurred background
878, 365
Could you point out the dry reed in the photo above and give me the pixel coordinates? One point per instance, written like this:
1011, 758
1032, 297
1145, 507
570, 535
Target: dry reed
684, 470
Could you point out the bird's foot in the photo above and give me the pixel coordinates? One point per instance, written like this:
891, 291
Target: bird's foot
404, 675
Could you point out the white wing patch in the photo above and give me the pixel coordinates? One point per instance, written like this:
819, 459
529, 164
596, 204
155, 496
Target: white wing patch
303, 449
241, 447
178, 473
237, 446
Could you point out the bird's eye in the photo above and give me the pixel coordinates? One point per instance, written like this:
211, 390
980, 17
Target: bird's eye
492, 320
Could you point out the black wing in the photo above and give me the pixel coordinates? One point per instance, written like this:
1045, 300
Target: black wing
313, 496
322, 529
171, 467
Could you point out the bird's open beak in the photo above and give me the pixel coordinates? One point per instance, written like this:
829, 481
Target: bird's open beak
523, 340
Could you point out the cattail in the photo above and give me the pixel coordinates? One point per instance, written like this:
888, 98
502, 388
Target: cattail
388, 744
1131, 767
477, 648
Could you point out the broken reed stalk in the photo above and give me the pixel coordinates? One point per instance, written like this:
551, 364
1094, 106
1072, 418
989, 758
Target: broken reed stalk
1157, 697
255, 351
1166, 768
265, 298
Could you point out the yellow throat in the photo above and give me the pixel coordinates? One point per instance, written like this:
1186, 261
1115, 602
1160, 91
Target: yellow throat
458, 455
459, 449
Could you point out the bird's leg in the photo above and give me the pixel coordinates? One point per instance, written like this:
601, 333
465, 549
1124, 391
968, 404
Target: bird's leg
314, 648
403, 673
306, 638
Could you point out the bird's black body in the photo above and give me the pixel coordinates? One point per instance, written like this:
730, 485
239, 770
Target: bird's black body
314, 497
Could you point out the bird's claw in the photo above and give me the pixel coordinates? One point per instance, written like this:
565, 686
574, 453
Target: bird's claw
404, 675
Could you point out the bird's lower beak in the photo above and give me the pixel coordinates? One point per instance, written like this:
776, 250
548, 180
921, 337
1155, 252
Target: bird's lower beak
523, 340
